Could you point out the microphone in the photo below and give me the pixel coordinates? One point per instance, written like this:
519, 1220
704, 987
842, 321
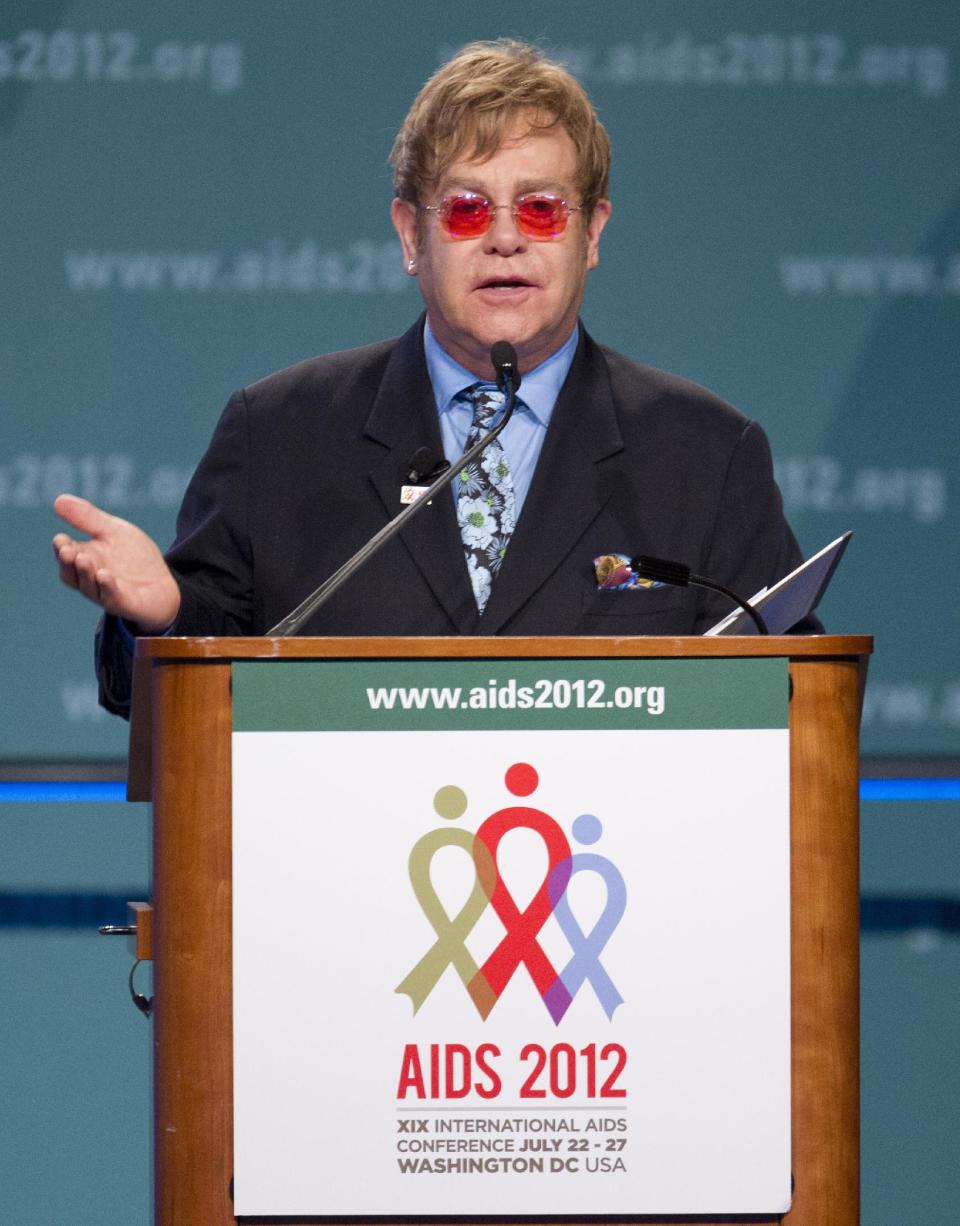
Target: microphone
660, 570
424, 466
503, 358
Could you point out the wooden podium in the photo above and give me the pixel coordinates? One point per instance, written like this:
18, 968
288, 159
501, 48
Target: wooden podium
181, 759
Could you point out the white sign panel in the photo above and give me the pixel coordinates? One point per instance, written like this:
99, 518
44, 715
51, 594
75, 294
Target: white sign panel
508, 971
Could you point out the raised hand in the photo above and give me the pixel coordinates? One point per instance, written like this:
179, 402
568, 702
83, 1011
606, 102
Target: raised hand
119, 568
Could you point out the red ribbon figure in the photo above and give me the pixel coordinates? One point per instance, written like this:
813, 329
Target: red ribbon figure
520, 943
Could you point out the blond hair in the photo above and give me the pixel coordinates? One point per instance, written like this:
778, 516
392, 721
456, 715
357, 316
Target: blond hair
468, 104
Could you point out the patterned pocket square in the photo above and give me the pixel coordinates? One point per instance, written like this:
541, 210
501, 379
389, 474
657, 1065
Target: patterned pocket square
614, 574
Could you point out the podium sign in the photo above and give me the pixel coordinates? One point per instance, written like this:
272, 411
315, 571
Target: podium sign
511, 936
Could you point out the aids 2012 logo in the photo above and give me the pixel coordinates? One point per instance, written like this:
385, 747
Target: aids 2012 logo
454, 1070
519, 946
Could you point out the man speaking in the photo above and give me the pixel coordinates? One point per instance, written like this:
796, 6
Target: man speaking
501, 182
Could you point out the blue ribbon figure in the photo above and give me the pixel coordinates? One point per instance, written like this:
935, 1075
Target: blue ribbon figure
585, 964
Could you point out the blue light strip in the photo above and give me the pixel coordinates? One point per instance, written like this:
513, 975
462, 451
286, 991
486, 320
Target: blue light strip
910, 789
109, 792
76, 792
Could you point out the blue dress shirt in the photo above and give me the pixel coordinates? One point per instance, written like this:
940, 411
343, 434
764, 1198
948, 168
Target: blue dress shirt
527, 428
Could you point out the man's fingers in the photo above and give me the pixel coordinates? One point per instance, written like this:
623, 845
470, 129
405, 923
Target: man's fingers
63, 548
68, 551
85, 568
82, 515
85, 573
68, 575
65, 551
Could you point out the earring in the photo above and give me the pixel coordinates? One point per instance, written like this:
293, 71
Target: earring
411, 266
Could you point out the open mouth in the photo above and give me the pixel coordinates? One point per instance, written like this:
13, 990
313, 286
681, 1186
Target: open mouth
504, 283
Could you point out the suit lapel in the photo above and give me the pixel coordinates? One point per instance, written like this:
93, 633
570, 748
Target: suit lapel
566, 494
404, 418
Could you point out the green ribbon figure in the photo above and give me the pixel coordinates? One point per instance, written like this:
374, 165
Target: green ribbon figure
450, 949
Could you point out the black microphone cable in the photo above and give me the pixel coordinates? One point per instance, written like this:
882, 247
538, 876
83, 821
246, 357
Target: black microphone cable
675, 574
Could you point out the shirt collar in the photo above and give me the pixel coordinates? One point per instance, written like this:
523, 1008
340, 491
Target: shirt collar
540, 388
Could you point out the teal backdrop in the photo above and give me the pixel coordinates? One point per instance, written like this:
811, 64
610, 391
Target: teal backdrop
194, 195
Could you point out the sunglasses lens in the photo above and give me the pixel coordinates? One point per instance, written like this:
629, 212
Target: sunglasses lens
466, 216
541, 216
469, 216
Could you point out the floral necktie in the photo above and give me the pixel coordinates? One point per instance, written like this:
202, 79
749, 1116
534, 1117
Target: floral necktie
485, 506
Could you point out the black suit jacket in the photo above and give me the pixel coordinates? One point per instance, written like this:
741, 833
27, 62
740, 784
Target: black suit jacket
306, 465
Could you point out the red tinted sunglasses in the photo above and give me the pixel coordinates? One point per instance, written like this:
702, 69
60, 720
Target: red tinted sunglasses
537, 215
